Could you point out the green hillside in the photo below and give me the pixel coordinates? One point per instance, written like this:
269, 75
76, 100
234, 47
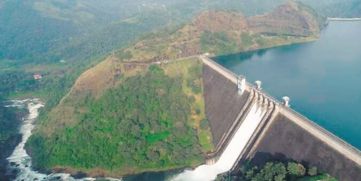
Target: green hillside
148, 118
62, 38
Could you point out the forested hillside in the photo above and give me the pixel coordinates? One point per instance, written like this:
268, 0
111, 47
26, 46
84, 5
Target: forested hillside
152, 119
78, 29
62, 38
59, 39
8, 125
337, 8
74, 30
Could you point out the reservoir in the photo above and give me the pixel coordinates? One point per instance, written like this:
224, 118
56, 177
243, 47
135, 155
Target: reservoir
322, 78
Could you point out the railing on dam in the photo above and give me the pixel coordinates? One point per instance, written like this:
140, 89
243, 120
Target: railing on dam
332, 140
235, 77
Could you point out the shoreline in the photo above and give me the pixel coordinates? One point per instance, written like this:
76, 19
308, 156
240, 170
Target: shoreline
20, 164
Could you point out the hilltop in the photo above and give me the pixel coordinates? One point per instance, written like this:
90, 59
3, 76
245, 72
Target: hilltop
220, 32
142, 108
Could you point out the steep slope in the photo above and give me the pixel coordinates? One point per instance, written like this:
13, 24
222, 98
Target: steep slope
48, 31
146, 101
291, 19
336, 8
153, 115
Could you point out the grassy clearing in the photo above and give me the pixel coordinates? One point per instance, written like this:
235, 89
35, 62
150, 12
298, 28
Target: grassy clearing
192, 85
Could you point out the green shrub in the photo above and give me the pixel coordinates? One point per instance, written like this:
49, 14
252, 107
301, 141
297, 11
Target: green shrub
276, 171
296, 169
312, 171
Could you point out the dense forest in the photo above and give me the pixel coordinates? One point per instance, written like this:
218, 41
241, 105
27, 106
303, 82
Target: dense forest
76, 30
79, 33
146, 118
8, 123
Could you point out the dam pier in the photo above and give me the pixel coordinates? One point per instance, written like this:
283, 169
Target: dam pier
249, 125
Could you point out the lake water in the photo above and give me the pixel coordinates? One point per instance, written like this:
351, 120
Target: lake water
322, 78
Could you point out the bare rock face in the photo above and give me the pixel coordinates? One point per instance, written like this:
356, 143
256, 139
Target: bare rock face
291, 19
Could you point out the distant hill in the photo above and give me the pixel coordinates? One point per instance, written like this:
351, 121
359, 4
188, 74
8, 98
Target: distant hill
62, 38
336, 8
39, 31
142, 108
73, 30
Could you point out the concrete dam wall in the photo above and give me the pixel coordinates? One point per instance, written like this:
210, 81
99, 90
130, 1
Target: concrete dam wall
223, 103
282, 134
284, 140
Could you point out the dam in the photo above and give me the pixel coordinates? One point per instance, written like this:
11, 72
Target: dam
248, 125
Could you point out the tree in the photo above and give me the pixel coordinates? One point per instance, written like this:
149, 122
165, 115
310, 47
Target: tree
296, 169
312, 171
280, 177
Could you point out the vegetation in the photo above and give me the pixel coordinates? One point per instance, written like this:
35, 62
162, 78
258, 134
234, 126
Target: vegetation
76, 30
148, 118
79, 33
15, 81
9, 136
190, 71
336, 8
79, 30
218, 42
61, 39
278, 171
8, 123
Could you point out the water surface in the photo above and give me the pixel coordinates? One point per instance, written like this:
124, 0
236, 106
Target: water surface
323, 78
